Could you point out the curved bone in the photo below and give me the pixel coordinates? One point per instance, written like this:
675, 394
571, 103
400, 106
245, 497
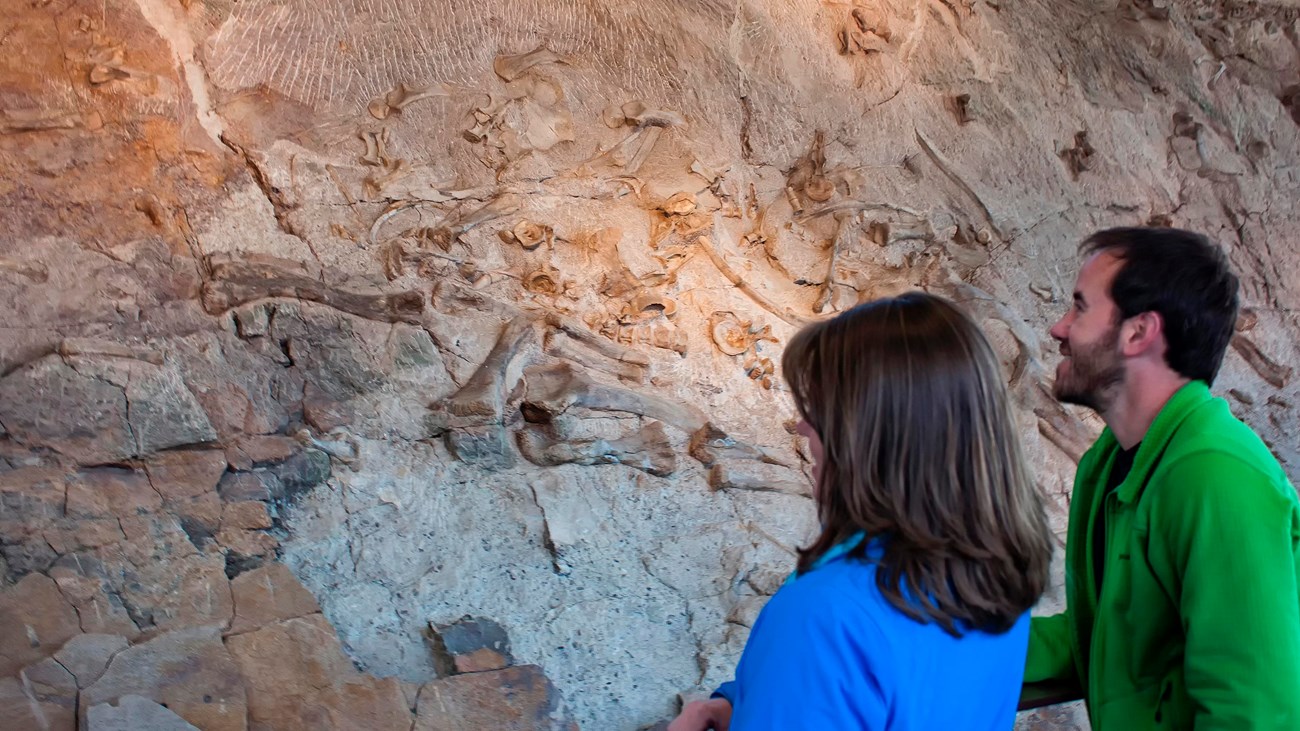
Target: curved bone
743, 286
640, 114
1276, 374
648, 450
512, 67
554, 389
401, 96
483, 395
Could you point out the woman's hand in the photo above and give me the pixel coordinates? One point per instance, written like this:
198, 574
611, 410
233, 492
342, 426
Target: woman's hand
714, 713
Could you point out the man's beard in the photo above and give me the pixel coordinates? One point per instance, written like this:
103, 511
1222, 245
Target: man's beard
1093, 372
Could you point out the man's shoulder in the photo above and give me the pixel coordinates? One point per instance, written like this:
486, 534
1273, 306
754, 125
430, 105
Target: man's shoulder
1212, 433
1212, 451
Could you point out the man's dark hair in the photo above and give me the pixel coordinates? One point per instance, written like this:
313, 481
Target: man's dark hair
1184, 277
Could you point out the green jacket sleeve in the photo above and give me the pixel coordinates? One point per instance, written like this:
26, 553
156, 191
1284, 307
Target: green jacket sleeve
1051, 656
1224, 542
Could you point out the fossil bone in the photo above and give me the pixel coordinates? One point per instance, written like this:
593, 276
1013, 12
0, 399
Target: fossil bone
554, 389
339, 444
595, 342
649, 123
710, 444
648, 305
679, 204
743, 286
1274, 373
234, 283
35, 120
757, 477
544, 281
560, 345
34, 271
482, 397
90, 346
638, 113
728, 334
531, 235
399, 97
511, 67
648, 450
375, 155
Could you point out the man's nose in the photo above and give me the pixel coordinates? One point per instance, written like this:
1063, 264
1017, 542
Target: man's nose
1061, 329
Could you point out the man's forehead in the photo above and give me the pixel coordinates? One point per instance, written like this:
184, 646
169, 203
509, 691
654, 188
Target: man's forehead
1097, 272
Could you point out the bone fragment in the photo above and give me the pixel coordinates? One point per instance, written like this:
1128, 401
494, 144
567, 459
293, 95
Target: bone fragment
512, 67
92, 346
554, 389
483, 395
648, 450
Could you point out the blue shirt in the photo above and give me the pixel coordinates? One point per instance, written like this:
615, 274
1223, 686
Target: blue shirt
830, 652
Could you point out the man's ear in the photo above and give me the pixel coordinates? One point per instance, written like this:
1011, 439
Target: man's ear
1143, 334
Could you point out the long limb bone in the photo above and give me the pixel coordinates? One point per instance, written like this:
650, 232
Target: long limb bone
235, 283
782, 312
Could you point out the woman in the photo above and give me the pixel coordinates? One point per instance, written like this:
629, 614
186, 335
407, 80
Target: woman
910, 610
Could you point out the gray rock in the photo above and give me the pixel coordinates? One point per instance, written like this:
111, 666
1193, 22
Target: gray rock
134, 713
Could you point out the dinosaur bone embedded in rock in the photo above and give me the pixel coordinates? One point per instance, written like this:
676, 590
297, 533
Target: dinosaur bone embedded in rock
553, 389
757, 476
481, 397
400, 97
530, 234
512, 67
647, 450
234, 283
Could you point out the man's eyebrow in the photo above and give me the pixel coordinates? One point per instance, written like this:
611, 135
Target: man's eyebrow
1078, 298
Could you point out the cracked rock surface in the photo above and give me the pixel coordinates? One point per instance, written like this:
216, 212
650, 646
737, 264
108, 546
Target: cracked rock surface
413, 364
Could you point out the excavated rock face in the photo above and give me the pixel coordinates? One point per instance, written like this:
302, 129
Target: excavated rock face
345, 340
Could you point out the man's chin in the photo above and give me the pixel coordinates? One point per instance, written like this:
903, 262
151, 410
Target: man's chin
1067, 394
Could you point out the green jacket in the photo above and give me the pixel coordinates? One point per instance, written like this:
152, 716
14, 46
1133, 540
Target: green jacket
1198, 621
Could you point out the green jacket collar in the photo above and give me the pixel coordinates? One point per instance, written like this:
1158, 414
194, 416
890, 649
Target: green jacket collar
1184, 401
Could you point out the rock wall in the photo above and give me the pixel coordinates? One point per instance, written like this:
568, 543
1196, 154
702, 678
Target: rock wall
451, 309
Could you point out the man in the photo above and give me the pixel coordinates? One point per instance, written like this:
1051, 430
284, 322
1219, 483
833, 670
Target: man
1183, 555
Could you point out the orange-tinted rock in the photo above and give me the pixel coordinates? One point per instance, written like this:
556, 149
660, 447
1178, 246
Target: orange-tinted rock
189, 671
127, 492
186, 474
259, 451
243, 486
51, 685
247, 543
299, 679
21, 709
269, 594
246, 515
169, 583
513, 699
35, 621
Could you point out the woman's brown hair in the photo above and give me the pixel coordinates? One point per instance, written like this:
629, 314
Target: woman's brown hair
920, 449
